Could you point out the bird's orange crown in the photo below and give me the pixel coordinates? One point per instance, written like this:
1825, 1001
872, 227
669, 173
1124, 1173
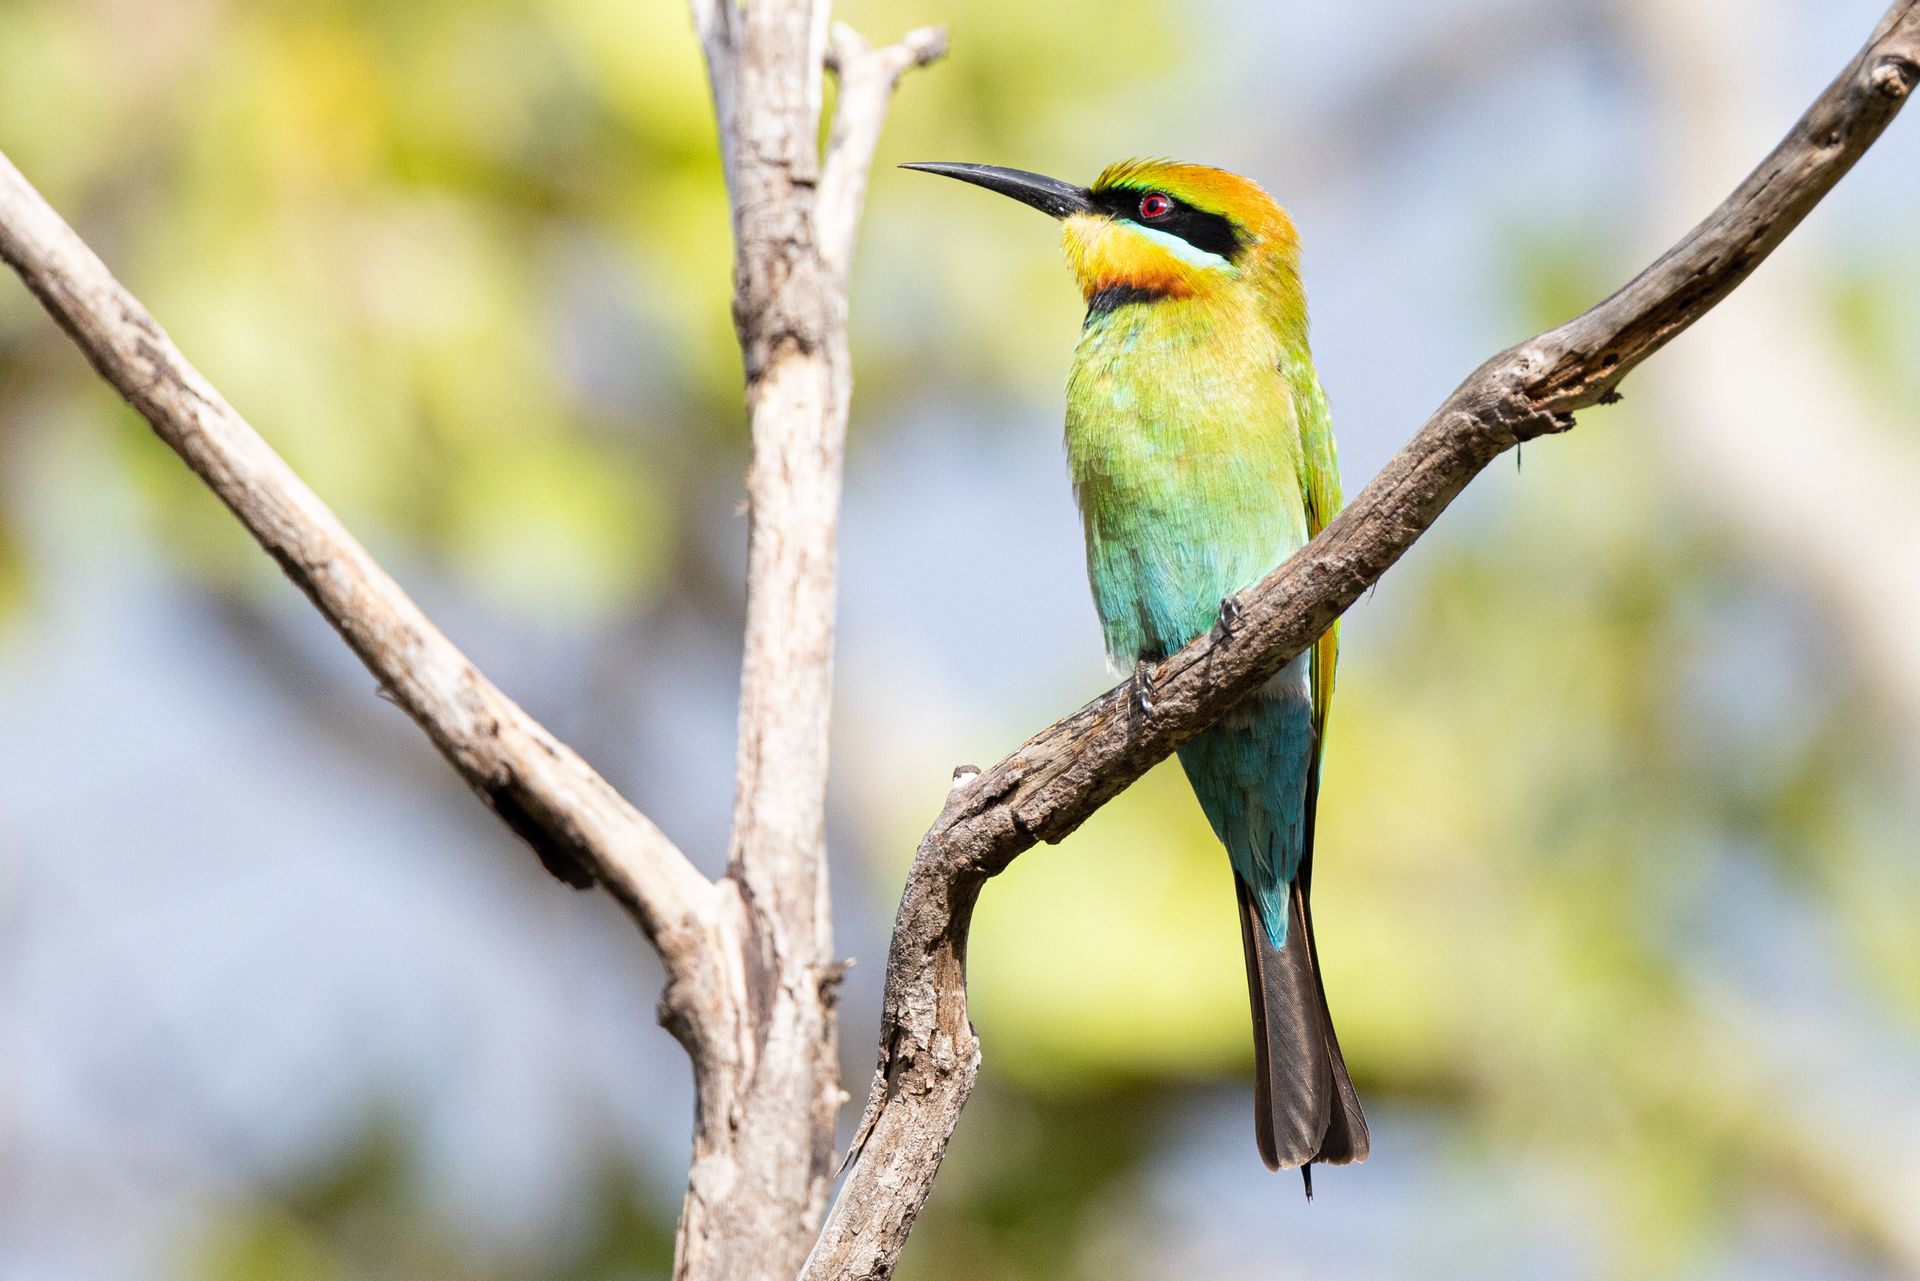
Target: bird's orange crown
1160, 229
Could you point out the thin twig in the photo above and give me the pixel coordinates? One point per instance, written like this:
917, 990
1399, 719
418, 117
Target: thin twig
717, 23
867, 78
928, 1053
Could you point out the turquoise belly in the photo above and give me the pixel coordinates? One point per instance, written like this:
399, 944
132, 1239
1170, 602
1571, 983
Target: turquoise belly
1186, 466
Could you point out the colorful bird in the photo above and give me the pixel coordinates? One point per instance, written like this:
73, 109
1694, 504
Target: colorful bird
1202, 456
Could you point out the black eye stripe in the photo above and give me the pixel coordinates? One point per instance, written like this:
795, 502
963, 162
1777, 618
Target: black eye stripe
1214, 233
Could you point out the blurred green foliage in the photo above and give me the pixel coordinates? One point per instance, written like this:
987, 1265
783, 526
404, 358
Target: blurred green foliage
378, 228
357, 1215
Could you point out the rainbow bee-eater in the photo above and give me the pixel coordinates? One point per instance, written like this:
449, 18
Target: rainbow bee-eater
1202, 456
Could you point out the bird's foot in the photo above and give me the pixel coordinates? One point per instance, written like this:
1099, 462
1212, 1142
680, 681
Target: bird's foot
1229, 614
1143, 686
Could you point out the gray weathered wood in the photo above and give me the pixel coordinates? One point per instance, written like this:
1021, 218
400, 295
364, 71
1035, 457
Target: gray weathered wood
769, 1097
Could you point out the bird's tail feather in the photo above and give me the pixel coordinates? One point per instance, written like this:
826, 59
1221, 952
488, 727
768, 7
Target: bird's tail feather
1304, 1107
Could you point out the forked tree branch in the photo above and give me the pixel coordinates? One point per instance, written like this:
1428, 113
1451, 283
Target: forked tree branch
763, 1136
867, 78
750, 971
928, 1053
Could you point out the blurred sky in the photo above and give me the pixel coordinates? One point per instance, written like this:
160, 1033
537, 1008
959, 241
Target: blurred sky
1619, 885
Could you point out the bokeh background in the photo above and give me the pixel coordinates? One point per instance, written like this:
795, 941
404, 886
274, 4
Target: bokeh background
1618, 885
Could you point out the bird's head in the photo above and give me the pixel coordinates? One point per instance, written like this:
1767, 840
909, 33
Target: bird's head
1155, 229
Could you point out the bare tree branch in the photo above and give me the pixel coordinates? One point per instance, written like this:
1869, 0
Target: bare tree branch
928, 1053
763, 1135
572, 817
867, 78
717, 23
763, 1142
582, 829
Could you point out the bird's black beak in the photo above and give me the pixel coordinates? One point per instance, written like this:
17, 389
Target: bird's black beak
1048, 195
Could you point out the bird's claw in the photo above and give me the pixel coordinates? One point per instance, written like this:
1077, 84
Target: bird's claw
1143, 686
1229, 614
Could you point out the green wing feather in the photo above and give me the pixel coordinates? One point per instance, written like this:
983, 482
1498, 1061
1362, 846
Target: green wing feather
1320, 483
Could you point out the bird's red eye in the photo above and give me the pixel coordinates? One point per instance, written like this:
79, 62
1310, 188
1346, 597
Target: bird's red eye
1155, 206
